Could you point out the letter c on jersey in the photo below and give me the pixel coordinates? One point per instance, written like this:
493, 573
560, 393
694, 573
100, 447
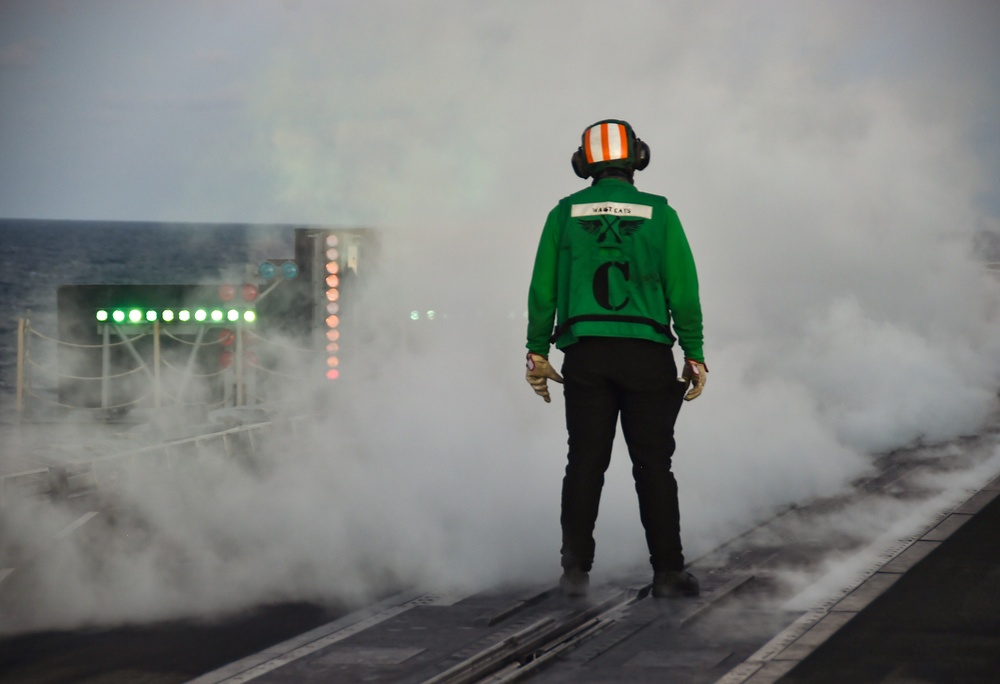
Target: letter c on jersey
602, 284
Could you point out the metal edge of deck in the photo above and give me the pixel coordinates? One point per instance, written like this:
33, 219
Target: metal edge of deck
788, 648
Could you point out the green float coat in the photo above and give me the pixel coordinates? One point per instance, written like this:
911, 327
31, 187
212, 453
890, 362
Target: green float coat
614, 262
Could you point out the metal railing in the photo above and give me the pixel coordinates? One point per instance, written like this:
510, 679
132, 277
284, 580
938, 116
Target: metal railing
77, 477
124, 374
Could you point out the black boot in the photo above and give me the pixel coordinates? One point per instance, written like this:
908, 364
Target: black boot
574, 582
674, 583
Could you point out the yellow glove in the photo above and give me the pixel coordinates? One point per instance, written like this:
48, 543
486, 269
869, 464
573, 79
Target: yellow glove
695, 374
538, 374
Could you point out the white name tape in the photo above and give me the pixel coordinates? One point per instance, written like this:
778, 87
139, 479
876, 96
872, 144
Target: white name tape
616, 208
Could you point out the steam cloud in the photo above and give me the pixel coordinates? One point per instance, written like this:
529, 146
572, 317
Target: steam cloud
831, 204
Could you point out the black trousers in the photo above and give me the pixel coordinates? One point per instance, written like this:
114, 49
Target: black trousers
608, 377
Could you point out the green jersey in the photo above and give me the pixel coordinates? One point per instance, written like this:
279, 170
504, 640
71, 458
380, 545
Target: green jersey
614, 262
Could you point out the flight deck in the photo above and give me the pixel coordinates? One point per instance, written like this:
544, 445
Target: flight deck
773, 606
742, 629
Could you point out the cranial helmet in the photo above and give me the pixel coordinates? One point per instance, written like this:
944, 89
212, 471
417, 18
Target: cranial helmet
610, 144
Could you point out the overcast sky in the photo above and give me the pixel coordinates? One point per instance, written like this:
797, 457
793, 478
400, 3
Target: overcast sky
368, 112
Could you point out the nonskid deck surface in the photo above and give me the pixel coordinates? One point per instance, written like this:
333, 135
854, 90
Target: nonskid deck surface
504, 636
745, 627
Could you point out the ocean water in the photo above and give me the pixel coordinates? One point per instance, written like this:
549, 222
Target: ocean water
37, 256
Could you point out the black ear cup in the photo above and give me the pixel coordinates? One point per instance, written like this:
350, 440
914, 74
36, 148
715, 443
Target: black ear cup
580, 166
641, 155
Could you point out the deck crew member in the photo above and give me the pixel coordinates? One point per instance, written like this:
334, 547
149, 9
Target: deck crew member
614, 286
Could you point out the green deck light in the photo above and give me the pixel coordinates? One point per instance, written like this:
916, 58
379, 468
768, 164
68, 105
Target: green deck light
143, 315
